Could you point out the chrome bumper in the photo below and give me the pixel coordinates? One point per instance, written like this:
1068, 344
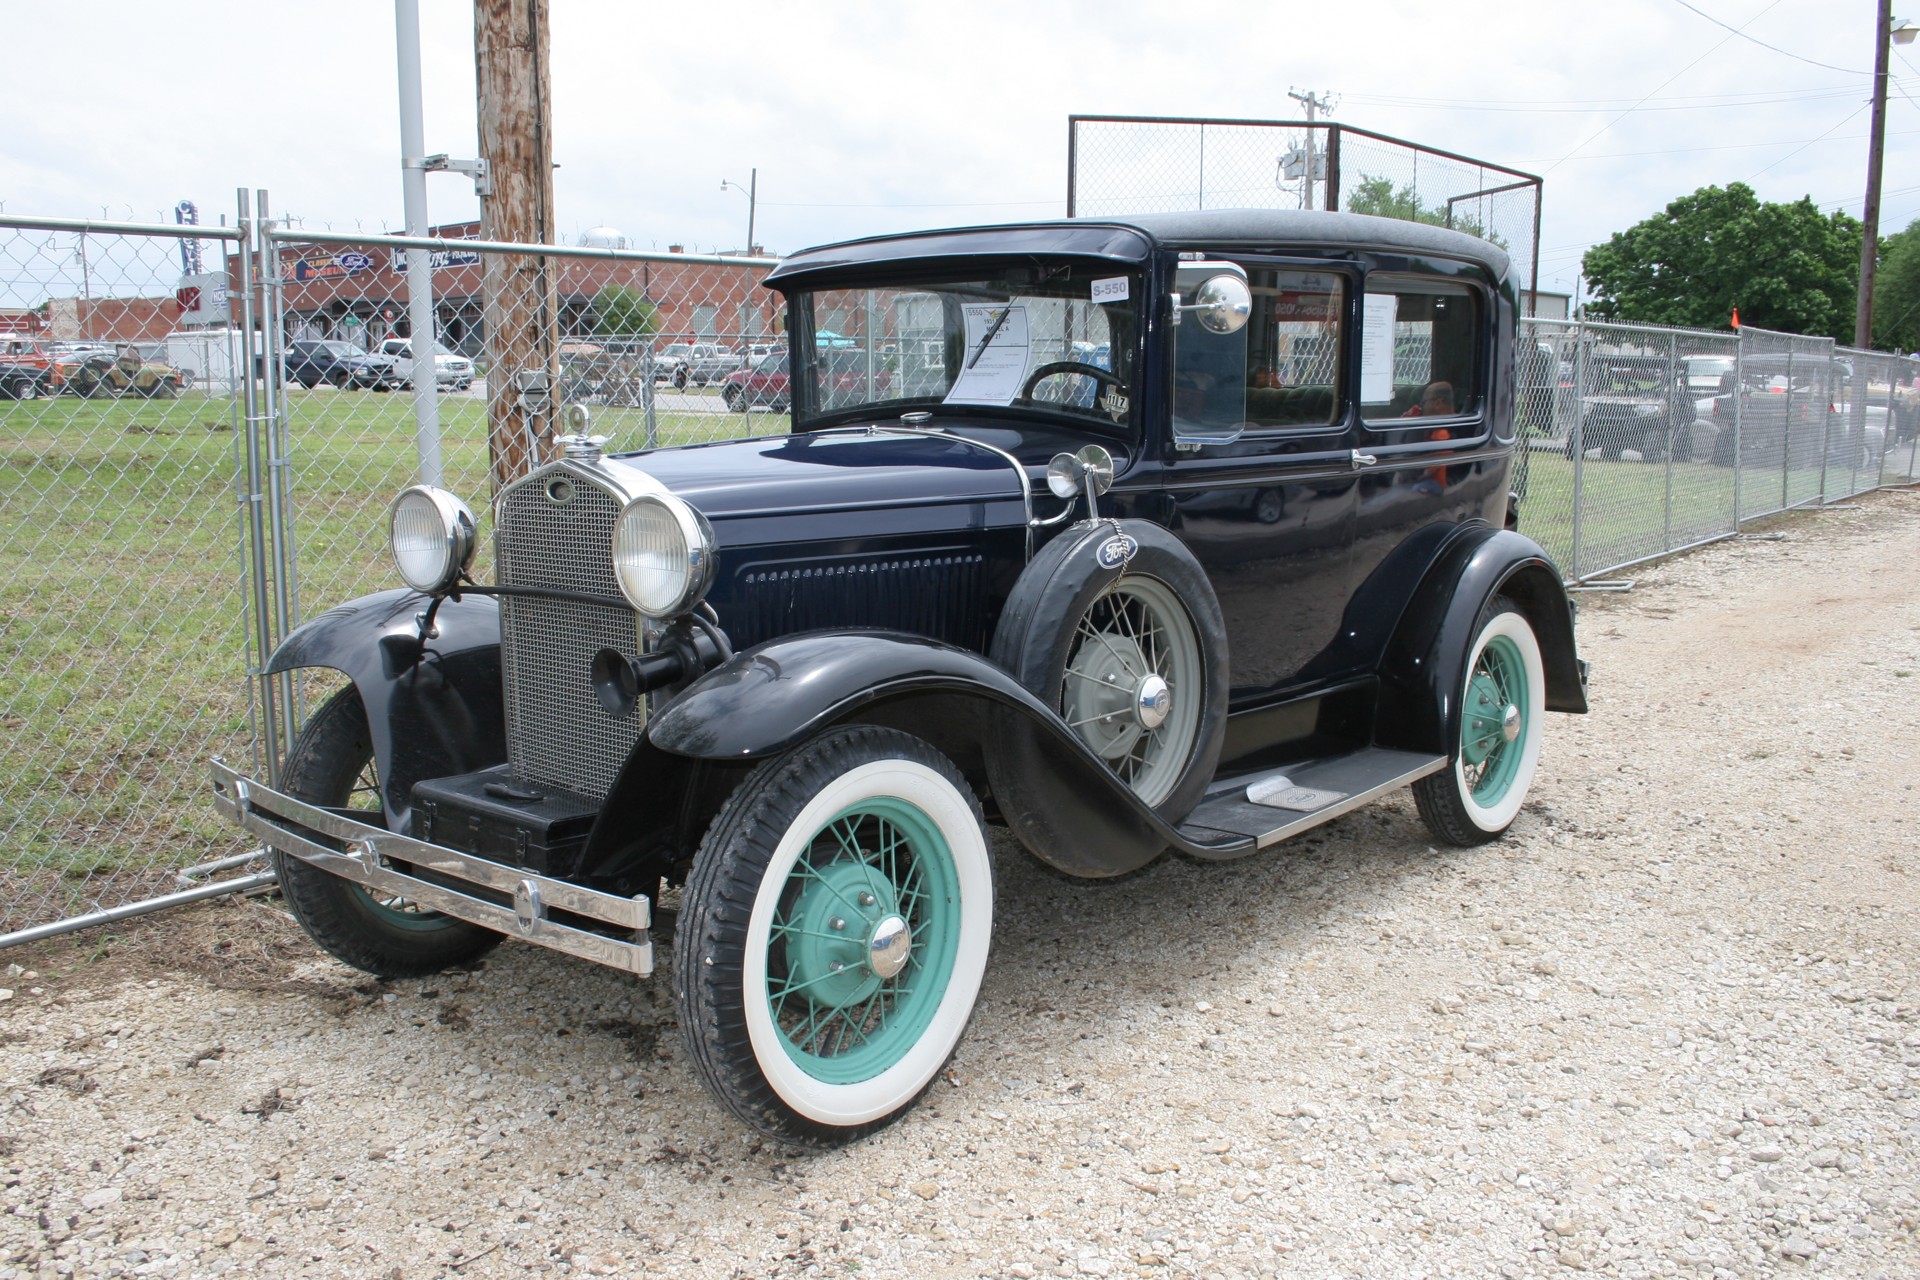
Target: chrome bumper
365, 852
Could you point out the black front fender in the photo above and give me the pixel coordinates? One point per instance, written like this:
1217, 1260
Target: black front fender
777, 695
434, 709
1423, 669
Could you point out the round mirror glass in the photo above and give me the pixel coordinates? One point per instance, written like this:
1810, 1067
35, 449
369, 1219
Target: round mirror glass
1222, 303
1094, 461
1063, 476
578, 419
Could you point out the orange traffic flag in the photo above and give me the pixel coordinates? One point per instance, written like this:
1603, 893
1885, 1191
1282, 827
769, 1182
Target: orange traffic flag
1736, 317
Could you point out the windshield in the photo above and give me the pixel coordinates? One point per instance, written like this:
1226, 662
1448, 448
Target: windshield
1057, 337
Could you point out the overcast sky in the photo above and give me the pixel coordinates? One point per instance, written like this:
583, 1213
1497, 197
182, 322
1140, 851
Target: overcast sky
869, 117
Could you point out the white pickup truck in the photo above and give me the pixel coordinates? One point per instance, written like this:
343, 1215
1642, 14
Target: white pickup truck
699, 363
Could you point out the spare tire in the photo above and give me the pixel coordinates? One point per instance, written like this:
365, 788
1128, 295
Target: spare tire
1115, 626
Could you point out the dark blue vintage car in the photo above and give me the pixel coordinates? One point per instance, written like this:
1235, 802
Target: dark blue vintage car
1185, 532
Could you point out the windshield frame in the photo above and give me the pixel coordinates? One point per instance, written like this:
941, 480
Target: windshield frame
910, 275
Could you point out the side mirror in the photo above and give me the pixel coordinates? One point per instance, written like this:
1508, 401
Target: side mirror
1221, 304
1090, 469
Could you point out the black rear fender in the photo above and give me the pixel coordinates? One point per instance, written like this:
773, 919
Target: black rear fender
435, 708
775, 696
1422, 669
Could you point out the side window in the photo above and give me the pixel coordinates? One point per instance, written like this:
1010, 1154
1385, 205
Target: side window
1420, 350
1293, 348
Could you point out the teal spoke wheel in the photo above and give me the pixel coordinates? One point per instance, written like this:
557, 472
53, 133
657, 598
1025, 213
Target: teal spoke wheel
833, 935
332, 765
1478, 796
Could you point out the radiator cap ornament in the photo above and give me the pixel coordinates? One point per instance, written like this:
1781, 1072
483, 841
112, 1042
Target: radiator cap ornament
579, 443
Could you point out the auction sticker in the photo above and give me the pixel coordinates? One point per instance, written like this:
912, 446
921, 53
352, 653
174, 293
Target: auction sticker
1110, 290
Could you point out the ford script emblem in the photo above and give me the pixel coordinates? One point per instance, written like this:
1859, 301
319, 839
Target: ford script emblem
1116, 551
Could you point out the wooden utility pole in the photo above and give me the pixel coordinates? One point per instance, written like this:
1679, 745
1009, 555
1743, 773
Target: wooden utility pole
521, 303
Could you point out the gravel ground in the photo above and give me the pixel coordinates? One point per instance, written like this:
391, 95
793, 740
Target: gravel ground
1667, 1027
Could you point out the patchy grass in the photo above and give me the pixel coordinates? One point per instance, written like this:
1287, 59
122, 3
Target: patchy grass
124, 592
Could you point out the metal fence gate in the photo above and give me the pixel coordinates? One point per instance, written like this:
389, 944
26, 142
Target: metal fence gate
124, 577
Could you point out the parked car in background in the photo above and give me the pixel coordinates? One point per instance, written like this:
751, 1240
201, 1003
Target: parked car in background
312, 361
449, 369
1906, 406
779, 675
1783, 405
124, 373
1706, 373
26, 367
1635, 402
695, 363
765, 384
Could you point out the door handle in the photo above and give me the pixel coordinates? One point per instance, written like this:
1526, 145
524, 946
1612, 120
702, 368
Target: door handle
1360, 459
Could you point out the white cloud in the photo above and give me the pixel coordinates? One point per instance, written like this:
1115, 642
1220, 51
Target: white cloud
866, 117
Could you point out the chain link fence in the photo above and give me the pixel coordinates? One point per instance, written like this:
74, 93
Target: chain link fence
178, 497
662, 349
124, 585
1643, 440
1144, 164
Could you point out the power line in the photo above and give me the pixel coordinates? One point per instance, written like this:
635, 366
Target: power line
1742, 33
1724, 146
1391, 99
1656, 89
1576, 109
1797, 150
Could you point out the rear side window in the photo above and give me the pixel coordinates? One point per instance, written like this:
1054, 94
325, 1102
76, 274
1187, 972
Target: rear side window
1293, 357
1420, 350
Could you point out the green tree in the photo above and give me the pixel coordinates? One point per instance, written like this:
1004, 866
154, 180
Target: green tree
1378, 196
621, 311
1785, 266
1896, 291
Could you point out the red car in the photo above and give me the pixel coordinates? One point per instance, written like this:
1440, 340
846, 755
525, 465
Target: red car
27, 369
843, 374
764, 383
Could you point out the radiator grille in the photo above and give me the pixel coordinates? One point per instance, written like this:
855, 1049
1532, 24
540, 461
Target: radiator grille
557, 732
930, 595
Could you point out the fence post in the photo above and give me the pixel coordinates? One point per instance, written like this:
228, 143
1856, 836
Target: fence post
1739, 399
1677, 402
1786, 443
1577, 434
253, 497
273, 408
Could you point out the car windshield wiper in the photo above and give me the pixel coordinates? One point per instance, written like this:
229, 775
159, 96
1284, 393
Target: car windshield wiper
991, 330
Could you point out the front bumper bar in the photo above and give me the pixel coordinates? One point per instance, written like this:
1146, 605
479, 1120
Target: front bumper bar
364, 854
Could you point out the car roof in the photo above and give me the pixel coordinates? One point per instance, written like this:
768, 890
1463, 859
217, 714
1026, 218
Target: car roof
1132, 238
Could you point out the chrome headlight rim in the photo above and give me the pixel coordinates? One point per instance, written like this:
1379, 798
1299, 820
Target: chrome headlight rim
459, 530
696, 536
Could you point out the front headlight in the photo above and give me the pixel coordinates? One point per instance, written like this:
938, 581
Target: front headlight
433, 538
662, 555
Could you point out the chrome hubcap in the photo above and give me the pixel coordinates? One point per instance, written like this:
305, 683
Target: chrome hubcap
889, 947
1152, 701
1510, 723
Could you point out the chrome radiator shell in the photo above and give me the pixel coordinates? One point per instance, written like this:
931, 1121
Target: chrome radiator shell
554, 529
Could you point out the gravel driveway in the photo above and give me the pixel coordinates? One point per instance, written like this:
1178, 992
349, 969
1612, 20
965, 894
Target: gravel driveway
1667, 1027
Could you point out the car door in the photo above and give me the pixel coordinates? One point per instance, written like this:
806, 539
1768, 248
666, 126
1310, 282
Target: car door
1431, 382
1270, 514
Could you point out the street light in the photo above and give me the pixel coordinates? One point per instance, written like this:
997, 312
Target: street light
1887, 32
752, 192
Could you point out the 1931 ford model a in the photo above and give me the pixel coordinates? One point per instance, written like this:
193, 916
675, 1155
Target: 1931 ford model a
1179, 532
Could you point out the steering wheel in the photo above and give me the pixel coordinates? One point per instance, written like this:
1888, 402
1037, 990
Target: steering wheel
1093, 371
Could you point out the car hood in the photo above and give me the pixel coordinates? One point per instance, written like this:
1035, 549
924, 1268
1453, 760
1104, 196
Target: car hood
837, 472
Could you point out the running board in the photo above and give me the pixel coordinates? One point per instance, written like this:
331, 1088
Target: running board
1270, 807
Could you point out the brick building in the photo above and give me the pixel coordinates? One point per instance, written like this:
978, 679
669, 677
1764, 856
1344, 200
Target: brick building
359, 293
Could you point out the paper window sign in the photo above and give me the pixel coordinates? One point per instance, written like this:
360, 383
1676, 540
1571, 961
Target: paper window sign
997, 352
1376, 348
1110, 290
